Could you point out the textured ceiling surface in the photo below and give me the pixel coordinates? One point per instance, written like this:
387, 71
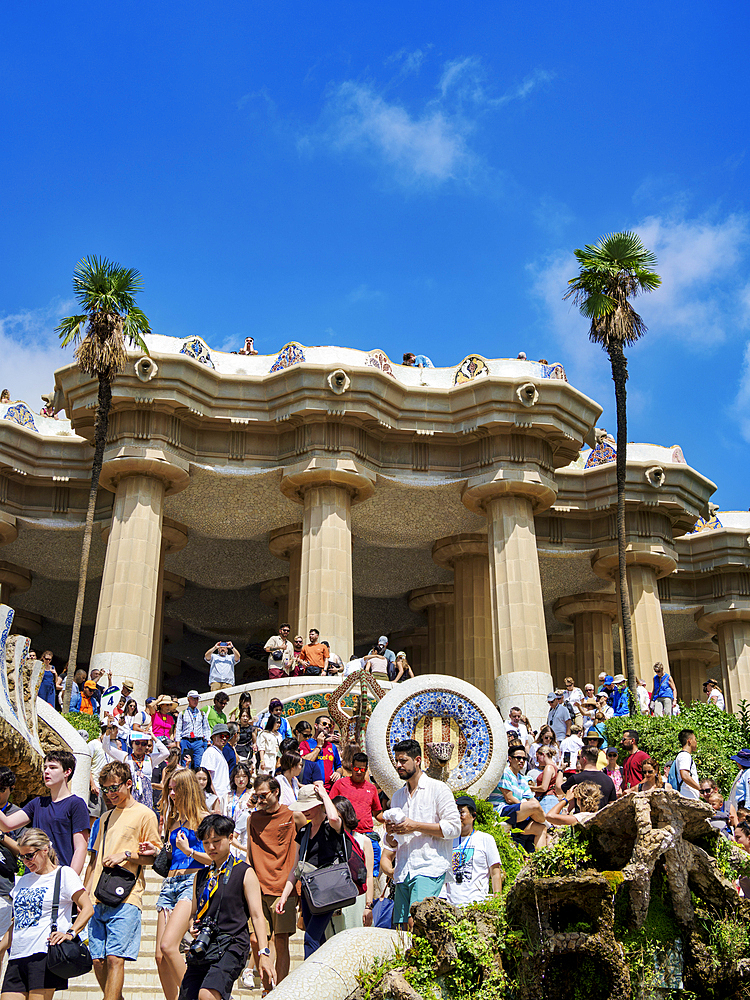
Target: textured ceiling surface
399, 514
379, 572
225, 564
53, 549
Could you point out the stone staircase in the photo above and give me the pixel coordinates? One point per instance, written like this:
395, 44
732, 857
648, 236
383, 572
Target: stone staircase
141, 978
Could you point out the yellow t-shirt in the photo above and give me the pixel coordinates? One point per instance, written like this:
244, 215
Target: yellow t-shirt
127, 828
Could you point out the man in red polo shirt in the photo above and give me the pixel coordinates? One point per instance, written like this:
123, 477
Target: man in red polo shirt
362, 794
327, 752
632, 768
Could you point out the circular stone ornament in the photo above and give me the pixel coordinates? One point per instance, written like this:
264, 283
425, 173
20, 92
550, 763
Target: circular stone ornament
439, 709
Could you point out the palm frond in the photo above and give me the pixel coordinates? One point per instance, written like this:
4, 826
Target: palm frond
69, 329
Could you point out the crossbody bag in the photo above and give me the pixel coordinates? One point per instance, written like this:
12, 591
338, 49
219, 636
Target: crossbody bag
67, 959
116, 883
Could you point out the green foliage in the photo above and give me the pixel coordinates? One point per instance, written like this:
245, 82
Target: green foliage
103, 287
512, 857
476, 973
651, 951
80, 721
743, 714
719, 736
731, 860
567, 855
730, 939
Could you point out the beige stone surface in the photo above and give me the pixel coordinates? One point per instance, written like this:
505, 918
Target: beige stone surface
592, 616
649, 640
439, 603
562, 658
690, 663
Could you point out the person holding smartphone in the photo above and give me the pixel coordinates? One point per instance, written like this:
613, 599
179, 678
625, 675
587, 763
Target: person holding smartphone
221, 657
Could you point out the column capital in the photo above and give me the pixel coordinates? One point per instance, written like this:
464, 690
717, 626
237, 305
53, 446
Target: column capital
174, 536
272, 590
27, 623
711, 620
283, 541
561, 641
411, 637
429, 597
447, 550
8, 528
701, 650
318, 471
605, 561
479, 491
127, 462
566, 608
16, 578
174, 585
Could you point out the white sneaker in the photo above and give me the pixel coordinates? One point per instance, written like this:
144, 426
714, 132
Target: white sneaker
248, 979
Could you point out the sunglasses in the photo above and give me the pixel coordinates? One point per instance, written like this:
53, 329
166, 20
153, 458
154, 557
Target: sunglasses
110, 789
517, 757
28, 857
704, 791
359, 770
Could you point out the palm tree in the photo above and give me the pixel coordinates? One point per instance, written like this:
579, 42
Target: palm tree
106, 292
612, 272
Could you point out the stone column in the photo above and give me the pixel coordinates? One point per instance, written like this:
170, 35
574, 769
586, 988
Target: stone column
126, 615
276, 594
325, 600
645, 566
562, 657
438, 602
286, 543
591, 616
732, 629
509, 500
13, 580
690, 663
415, 644
467, 555
171, 586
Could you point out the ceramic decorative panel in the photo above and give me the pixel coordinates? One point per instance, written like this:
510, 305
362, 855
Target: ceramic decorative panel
197, 349
378, 359
470, 368
291, 354
554, 371
603, 453
19, 413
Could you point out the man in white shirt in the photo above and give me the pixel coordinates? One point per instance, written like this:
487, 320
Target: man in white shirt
192, 731
558, 717
280, 654
513, 724
476, 860
424, 837
687, 773
222, 658
215, 762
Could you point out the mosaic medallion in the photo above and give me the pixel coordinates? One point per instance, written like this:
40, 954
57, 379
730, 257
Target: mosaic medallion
603, 453
554, 371
703, 524
677, 457
290, 354
440, 709
19, 413
378, 359
470, 368
196, 348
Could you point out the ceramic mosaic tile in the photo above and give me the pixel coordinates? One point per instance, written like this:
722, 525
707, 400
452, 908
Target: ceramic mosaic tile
291, 354
603, 453
378, 359
554, 371
470, 368
197, 349
19, 413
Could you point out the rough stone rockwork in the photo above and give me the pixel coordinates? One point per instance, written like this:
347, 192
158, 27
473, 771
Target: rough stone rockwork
15, 750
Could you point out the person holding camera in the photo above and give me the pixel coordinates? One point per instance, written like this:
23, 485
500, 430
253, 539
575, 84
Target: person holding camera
117, 878
476, 860
280, 654
225, 896
222, 658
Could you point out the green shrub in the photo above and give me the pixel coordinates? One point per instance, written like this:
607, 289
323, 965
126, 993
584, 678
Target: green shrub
719, 736
512, 857
80, 721
567, 855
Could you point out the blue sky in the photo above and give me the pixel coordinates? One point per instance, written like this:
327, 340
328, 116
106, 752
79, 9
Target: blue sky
402, 176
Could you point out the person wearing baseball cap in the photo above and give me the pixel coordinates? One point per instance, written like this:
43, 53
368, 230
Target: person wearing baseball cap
193, 730
139, 760
476, 860
620, 699
215, 762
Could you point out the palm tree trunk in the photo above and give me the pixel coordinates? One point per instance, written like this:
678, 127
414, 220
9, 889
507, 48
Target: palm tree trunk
101, 423
620, 377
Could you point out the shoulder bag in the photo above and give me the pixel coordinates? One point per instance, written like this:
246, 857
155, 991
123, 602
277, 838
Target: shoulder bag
331, 888
115, 884
69, 958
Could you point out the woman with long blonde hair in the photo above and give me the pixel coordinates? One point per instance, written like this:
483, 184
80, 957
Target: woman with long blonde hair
587, 794
31, 931
186, 811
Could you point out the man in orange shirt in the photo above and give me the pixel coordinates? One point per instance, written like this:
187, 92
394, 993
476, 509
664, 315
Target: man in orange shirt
314, 655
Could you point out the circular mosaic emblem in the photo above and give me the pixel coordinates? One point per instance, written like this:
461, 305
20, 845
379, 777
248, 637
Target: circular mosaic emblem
437, 709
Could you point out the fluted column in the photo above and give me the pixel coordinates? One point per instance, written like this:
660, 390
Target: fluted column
591, 616
690, 663
286, 543
325, 599
415, 644
126, 615
467, 555
438, 602
732, 629
276, 594
562, 657
13, 580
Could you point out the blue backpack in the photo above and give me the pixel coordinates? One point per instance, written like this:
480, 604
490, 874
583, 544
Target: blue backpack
673, 777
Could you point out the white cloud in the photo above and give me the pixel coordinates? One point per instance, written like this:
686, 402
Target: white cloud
427, 145
30, 351
742, 402
363, 293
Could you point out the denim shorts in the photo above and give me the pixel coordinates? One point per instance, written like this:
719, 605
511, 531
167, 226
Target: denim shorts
115, 930
174, 888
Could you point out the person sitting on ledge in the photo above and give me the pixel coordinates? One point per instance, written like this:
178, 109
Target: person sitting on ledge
248, 348
417, 361
5, 396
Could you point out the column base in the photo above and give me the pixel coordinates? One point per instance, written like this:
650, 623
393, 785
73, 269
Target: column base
135, 668
528, 689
